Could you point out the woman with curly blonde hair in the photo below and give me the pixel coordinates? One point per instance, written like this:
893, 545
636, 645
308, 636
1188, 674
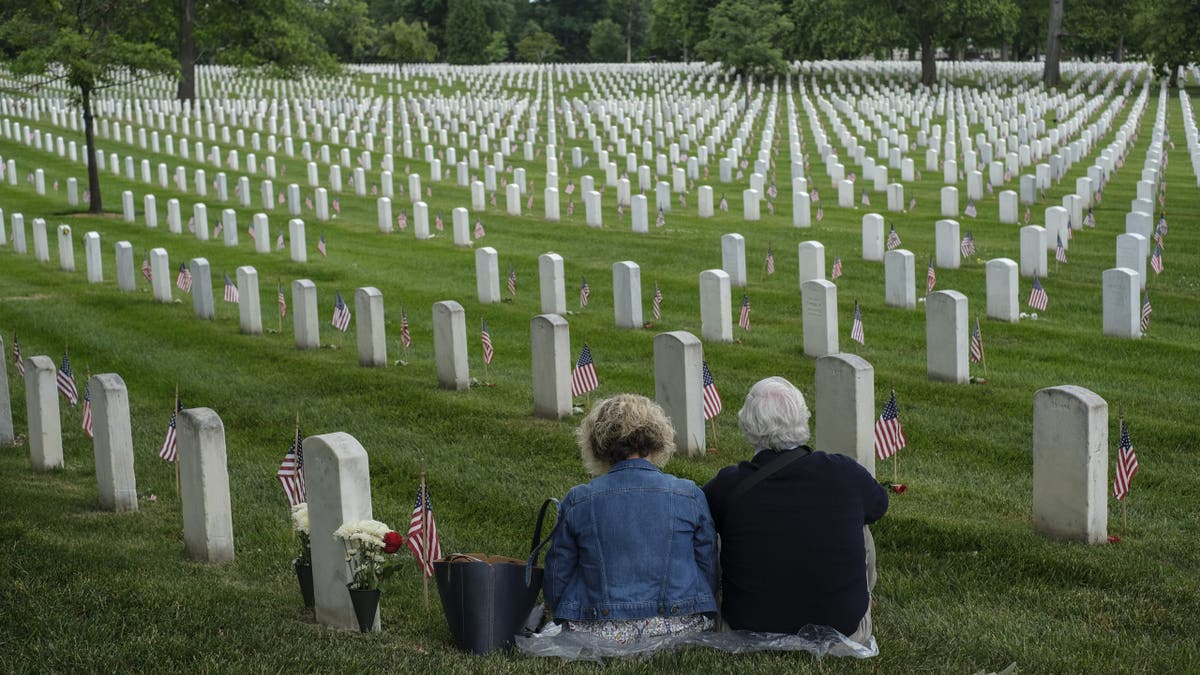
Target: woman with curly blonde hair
634, 554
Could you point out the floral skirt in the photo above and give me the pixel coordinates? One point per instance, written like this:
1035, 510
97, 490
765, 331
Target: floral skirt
632, 630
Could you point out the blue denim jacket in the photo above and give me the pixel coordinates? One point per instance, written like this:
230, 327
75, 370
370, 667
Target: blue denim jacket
632, 544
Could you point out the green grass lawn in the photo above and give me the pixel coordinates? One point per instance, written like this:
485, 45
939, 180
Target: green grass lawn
964, 584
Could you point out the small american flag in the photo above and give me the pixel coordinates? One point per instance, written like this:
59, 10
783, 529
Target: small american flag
308, 203
976, 344
146, 272
66, 381
1060, 253
912, 204
889, 434
170, 446
1156, 261
192, 224
571, 187
815, 195
291, 470
402, 220
437, 222
837, 268
770, 261
661, 220
279, 242
583, 378
712, 398
968, 245
656, 302
337, 205
893, 238
724, 203
1145, 312
479, 229
1028, 215
87, 408
16, 356
866, 199
422, 532
218, 230
970, 210
231, 290
282, 301
1037, 296
486, 339
321, 246
492, 199
1161, 228
820, 213
405, 335
512, 280
930, 278
585, 292
856, 328
1089, 219
183, 281
1099, 198
250, 231
1127, 464
744, 316
341, 313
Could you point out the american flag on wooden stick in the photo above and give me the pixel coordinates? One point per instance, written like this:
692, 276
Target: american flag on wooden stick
744, 315
405, 335
770, 260
485, 339
512, 280
889, 434
321, 246
231, 290
341, 313
16, 355
967, 248
930, 278
837, 268
893, 238
291, 470
282, 302
479, 232
1037, 295
170, 446
87, 408
976, 344
1145, 312
1156, 261
280, 243
147, 273
183, 281
656, 302
583, 378
1060, 253
712, 398
66, 381
1127, 464
422, 532
585, 292
970, 211
856, 328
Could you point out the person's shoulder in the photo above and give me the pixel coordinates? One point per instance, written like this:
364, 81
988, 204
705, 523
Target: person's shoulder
726, 478
843, 464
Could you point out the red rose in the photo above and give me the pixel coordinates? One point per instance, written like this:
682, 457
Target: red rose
392, 541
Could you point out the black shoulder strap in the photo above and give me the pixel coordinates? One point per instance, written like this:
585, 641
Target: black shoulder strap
776, 464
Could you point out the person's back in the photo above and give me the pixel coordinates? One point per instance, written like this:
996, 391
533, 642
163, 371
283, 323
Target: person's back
792, 550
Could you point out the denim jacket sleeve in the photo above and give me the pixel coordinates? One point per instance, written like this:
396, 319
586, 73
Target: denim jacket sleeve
561, 558
704, 541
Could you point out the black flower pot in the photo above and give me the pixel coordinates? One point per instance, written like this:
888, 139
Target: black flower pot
366, 607
304, 576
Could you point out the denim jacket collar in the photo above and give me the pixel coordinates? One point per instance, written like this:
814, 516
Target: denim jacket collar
637, 463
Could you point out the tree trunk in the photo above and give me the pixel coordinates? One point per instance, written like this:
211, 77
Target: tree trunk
89, 134
1051, 74
928, 62
1121, 49
629, 35
187, 51
1174, 81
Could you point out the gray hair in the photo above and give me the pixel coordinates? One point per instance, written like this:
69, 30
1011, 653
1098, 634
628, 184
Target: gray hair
625, 426
774, 415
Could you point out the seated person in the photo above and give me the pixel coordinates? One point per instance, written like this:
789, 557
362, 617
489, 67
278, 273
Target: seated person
795, 549
634, 553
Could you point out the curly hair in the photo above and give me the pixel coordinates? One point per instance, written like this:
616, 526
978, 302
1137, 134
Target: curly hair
625, 426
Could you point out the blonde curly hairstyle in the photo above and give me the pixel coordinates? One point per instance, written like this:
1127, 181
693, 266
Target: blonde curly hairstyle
625, 426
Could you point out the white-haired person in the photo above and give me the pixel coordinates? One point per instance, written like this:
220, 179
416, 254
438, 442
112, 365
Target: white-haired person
795, 549
634, 553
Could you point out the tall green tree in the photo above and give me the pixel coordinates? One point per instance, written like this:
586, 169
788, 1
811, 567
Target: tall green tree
745, 36
537, 46
607, 44
833, 29
1170, 34
570, 23
90, 45
632, 17
347, 30
407, 43
466, 32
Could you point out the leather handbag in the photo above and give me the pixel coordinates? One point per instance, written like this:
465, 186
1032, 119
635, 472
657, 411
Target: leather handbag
488, 599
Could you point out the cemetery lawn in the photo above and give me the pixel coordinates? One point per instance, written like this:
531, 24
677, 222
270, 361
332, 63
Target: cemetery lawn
964, 585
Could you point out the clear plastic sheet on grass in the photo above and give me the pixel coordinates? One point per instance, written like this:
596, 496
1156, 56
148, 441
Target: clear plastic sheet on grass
820, 641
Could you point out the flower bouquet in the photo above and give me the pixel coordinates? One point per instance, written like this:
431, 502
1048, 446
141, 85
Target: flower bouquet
369, 544
303, 561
